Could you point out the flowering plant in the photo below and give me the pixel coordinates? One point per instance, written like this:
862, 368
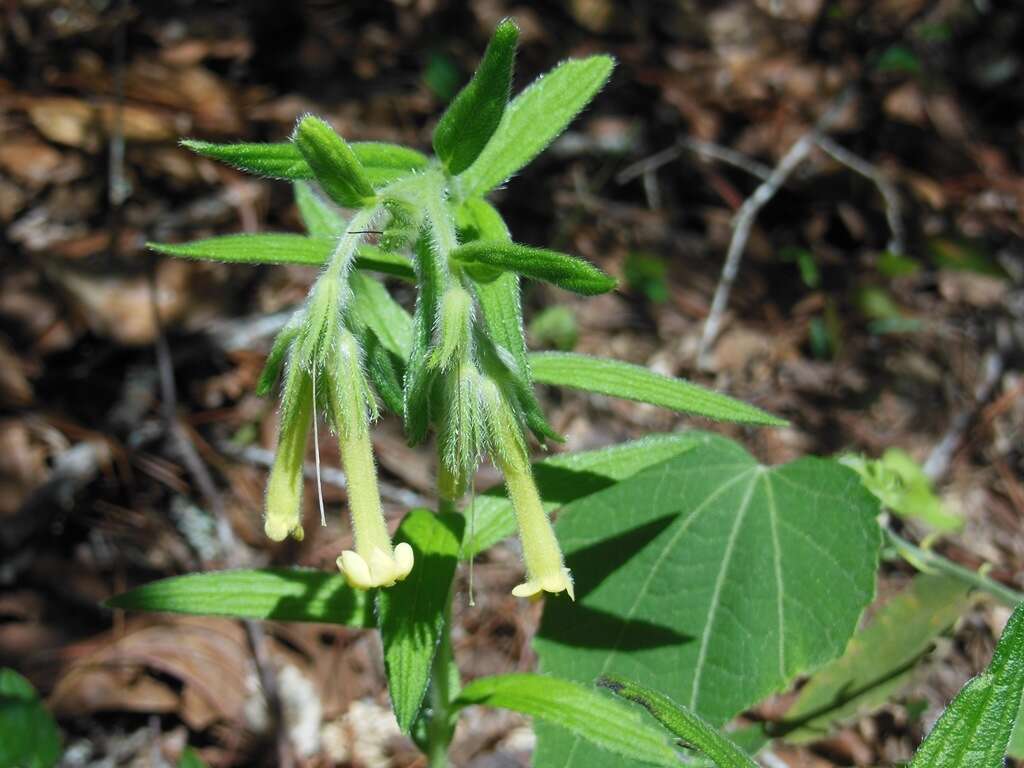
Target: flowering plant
689, 567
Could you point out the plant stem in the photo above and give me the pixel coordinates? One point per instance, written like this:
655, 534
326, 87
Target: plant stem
927, 561
444, 686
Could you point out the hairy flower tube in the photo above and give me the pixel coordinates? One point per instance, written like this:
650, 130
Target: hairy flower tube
374, 562
284, 487
325, 368
545, 566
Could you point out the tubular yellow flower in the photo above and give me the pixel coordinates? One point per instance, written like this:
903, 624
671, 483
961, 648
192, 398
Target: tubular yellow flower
374, 562
545, 566
284, 488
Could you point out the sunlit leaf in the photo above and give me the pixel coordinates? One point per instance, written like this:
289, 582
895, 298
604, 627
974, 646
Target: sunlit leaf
632, 382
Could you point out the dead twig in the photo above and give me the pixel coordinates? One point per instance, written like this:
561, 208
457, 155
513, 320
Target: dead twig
939, 460
744, 221
888, 191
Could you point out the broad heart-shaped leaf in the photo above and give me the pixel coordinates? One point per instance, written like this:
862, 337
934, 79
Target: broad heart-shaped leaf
532, 120
28, 735
975, 728
411, 614
611, 728
278, 594
711, 578
474, 114
496, 256
879, 658
382, 162
568, 477
692, 729
283, 248
633, 382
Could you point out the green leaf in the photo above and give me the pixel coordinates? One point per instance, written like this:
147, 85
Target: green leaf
278, 594
632, 382
190, 759
975, 728
605, 723
278, 352
28, 734
384, 372
373, 307
276, 161
688, 726
901, 485
320, 217
472, 117
284, 248
416, 386
879, 659
711, 577
334, 164
1015, 749
266, 248
411, 614
373, 259
500, 304
382, 163
486, 259
568, 477
533, 119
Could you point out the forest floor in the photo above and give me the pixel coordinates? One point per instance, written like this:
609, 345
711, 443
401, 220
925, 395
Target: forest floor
879, 303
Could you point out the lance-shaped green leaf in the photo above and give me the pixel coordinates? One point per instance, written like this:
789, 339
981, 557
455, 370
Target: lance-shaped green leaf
632, 382
28, 735
283, 248
691, 728
334, 164
975, 728
373, 307
879, 659
411, 614
533, 119
416, 385
320, 217
776, 565
609, 725
473, 116
384, 371
500, 304
382, 162
269, 248
486, 259
279, 594
278, 352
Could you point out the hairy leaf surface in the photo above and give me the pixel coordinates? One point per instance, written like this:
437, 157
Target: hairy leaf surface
613, 729
281, 594
533, 119
632, 382
411, 614
712, 578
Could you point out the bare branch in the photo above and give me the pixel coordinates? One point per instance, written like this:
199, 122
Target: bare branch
888, 191
747, 214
